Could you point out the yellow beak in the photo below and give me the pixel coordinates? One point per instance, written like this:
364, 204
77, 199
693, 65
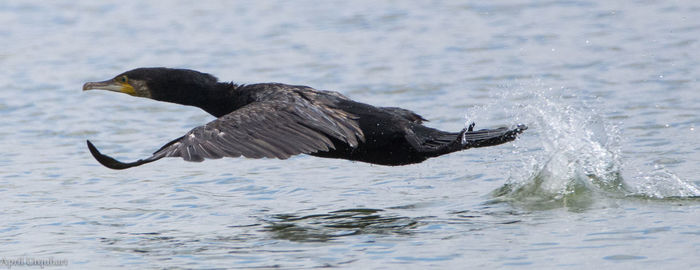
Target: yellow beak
110, 85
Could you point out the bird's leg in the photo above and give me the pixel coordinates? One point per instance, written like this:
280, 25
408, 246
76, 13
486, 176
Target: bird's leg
461, 139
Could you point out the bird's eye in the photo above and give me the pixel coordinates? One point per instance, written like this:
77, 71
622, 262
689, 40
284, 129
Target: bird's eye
123, 79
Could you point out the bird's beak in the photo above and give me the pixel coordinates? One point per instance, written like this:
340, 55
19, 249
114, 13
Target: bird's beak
109, 85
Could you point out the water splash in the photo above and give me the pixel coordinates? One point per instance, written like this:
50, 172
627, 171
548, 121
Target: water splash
577, 157
571, 156
661, 183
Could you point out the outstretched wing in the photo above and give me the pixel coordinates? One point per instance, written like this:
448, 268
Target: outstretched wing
271, 129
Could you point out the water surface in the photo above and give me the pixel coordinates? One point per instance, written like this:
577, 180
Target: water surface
606, 176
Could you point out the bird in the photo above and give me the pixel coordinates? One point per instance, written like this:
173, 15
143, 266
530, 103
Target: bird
275, 120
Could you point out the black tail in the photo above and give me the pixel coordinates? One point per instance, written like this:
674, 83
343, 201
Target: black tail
468, 138
488, 137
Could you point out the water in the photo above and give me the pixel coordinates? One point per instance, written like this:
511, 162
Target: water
606, 176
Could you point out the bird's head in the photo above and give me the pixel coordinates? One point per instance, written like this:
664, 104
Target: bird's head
164, 84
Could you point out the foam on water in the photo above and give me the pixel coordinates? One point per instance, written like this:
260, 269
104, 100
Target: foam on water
571, 155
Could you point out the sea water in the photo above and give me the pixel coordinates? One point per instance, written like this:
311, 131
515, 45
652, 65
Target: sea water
605, 176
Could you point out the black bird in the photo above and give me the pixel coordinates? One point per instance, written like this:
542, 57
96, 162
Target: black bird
273, 120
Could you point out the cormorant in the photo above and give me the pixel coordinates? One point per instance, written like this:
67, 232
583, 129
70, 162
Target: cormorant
274, 120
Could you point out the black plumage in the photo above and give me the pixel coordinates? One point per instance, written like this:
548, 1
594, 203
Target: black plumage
272, 120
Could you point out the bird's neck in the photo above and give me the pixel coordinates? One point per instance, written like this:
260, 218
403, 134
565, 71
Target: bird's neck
217, 99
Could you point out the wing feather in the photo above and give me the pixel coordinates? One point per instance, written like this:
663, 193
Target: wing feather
289, 122
267, 129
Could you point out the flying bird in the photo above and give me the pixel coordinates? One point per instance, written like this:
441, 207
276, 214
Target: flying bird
274, 120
